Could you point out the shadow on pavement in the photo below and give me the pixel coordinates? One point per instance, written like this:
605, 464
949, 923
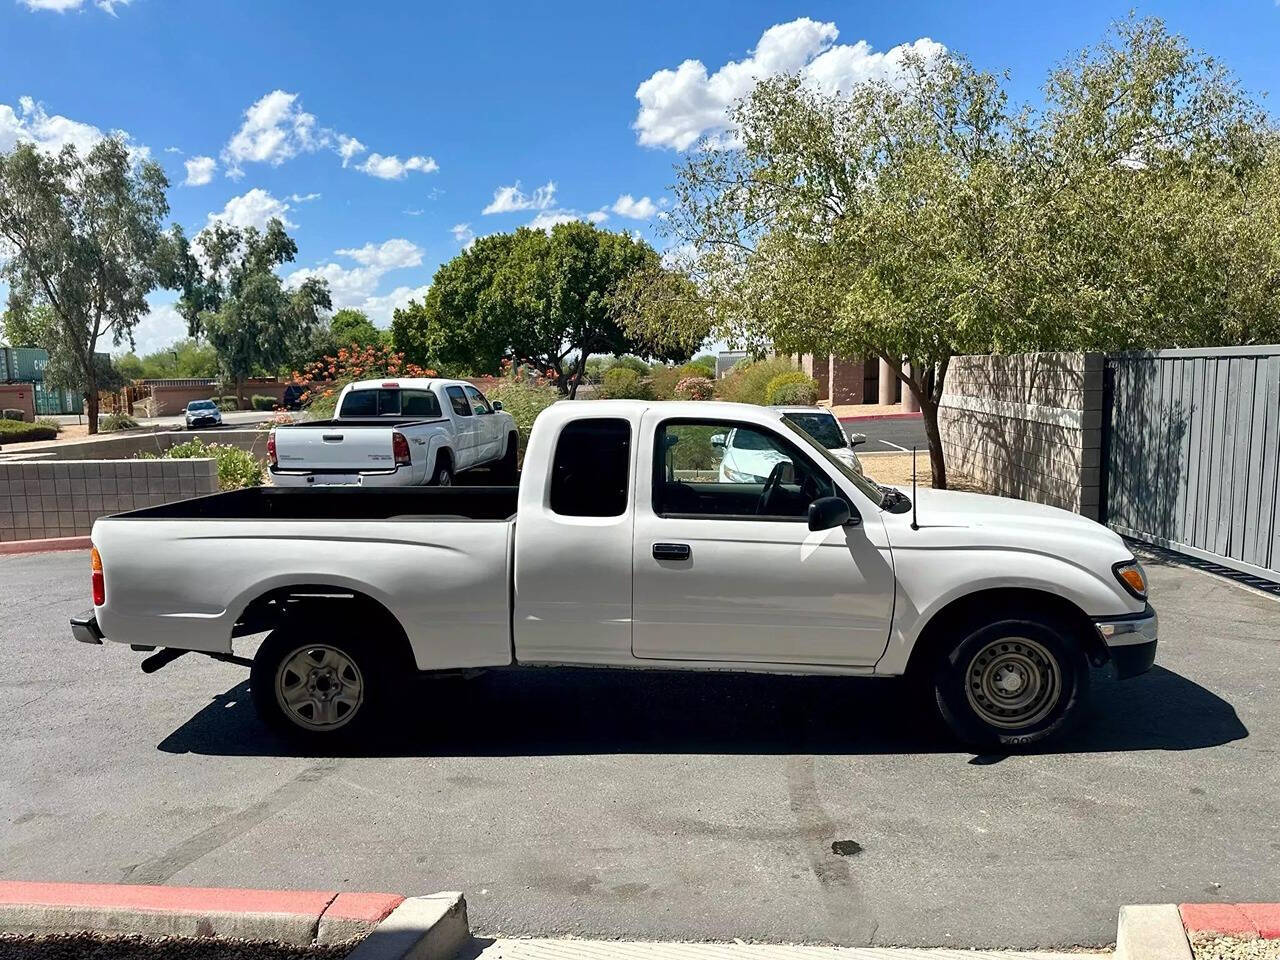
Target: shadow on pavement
547, 712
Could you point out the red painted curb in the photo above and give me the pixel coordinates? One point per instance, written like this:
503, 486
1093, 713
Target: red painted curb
44, 546
882, 416
295, 916
1247, 920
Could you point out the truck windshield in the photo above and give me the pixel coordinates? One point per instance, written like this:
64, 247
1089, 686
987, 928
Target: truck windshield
823, 427
881, 496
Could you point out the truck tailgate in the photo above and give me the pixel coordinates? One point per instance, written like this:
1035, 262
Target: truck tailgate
332, 447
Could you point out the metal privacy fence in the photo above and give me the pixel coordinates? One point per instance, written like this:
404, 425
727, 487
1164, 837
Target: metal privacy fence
1191, 453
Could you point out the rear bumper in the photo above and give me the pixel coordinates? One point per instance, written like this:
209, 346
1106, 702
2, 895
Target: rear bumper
397, 477
1131, 640
85, 628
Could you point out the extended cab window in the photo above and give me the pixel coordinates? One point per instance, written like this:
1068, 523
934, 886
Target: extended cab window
370, 403
458, 400
478, 403
419, 403
591, 470
719, 469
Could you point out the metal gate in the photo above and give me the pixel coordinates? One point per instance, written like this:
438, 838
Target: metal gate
1191, 453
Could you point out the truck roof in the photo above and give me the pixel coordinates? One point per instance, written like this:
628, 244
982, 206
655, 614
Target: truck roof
404, 383
634, 409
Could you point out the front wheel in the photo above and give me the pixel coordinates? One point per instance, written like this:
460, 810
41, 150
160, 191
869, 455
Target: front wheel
1012, 681
313, 686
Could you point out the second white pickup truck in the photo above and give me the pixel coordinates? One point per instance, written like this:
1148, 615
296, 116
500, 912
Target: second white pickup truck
396, 433
625, 545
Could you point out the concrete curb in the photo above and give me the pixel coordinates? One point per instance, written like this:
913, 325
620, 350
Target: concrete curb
44, 546
299, 917
1248, 921
421, 928
1151, 932
881, 416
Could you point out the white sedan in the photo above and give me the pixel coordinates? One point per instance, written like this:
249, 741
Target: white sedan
749, 458
203, 413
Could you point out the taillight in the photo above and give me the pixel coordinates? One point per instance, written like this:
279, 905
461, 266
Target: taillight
99, 585
271, 448
400, 449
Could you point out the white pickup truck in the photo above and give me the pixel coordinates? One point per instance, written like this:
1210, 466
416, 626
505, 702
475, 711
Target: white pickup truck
396, 433
624, 545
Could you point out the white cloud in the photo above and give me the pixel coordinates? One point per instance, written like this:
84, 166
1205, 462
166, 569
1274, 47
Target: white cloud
629, 206
173, 150
199, 171
598, 216
392, 168
679, 106
512, 198
349, 147
550, 218
252, 209
463, 234
275, 129
303, 197
32, 124
356, 286
62, 6
413, 211
161, 327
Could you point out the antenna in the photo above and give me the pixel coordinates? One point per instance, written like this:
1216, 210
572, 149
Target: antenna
914, 524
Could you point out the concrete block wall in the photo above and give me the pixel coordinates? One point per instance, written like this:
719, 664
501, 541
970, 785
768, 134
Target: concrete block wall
125, 446
62, 499
1028, 426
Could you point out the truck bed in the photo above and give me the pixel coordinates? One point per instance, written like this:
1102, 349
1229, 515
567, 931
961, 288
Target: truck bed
340, 503
383, 421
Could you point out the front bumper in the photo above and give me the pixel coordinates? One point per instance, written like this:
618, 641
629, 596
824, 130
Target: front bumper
85, 628
193, 422
1131, 640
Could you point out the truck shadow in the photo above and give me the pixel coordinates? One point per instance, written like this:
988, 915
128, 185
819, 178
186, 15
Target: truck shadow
596, 711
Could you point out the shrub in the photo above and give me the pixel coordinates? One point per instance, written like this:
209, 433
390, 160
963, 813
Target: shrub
261, 402
707, 362
114, 422
748, 381
12, 413
622, 383
629, 362
524, 401
12, 431
236, 468
49, 422
226, 404
695, 388
665, 379
792, 387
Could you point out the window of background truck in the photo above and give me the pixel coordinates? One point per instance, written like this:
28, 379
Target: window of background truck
478, 403
370, 403
591, 471
419, 403
459, 401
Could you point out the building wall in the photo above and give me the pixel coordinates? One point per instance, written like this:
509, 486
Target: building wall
18, 396
1027, 425
849, 381
62, 499
171, 397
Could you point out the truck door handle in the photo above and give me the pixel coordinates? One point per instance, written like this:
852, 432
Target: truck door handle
671, 551
331, 437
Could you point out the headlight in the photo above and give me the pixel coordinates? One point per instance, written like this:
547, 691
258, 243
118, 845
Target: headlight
1132, 577
737, 476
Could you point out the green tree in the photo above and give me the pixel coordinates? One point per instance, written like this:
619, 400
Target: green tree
548, 299
185, 359
350, 326
82, 233
232, 296
922, 217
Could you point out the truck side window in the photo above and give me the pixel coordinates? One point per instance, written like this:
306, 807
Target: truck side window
458, 399
732, 470
419, 403
591, 470
478, 403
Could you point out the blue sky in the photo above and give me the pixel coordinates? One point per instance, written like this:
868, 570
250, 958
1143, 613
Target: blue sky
383, 131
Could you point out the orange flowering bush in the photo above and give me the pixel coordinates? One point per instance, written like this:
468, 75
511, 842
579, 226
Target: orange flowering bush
324, 379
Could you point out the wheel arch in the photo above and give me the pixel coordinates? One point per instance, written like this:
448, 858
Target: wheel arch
935, 635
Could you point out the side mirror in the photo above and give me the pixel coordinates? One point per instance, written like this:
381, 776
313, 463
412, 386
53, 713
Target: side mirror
719, 440
828, 512
497, 405
857, 438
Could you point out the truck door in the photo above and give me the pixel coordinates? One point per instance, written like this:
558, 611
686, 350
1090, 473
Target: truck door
489, 428
466, 430
726, 568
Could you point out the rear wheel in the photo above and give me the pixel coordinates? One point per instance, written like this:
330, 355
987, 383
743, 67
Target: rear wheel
443, 475
506, 468
1012, 681
309, 682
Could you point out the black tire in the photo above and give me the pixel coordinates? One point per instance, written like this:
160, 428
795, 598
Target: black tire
1012, 681
505, 470
442, 476
370, 681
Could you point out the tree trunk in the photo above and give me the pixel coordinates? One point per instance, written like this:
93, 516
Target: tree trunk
578, 368
239, 393
91, 401
929, 411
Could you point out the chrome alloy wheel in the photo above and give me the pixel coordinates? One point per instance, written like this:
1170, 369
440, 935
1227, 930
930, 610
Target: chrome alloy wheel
1013, 682
319, 687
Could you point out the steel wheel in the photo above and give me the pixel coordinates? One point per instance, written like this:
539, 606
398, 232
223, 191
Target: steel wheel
1013, 682
319, 687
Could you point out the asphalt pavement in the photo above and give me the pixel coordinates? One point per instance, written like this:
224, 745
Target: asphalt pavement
889, 434
654, 805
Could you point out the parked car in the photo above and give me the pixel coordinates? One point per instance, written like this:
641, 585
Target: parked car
745, 457
396, 433
605, 555
203, 413
291, 398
